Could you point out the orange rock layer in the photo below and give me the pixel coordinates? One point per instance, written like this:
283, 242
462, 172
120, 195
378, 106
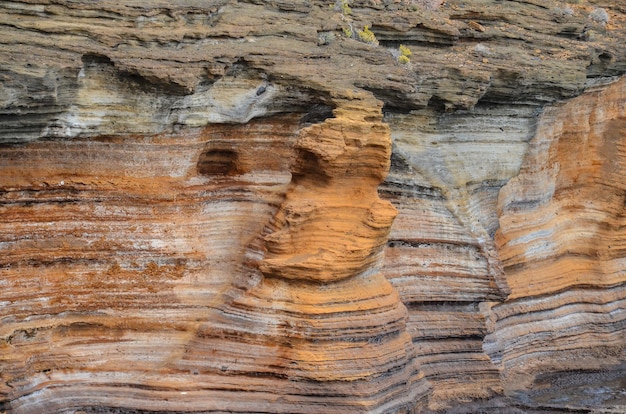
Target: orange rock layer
562, 244
149, 255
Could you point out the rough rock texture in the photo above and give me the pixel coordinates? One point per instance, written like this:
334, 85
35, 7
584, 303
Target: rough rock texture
232, 206
562, 244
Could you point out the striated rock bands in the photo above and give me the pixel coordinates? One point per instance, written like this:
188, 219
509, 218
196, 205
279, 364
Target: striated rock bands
242, 206
441, 256
322, 251
561, 243
127, 247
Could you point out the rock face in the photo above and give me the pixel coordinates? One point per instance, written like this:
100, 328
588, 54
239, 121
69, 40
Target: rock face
244, 206
561, 242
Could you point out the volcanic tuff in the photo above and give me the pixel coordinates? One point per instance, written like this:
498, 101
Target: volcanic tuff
234, 206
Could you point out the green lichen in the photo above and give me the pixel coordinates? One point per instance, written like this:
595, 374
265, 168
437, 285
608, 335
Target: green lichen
404, 54
343, 6
367, 36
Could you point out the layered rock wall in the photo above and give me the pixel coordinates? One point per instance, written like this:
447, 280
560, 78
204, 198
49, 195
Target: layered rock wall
233, 206
561, 244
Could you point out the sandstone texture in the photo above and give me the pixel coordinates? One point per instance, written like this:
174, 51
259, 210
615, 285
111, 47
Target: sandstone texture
253, 207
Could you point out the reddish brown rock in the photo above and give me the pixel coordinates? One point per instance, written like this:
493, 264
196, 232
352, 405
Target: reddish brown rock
233, 206
561, 243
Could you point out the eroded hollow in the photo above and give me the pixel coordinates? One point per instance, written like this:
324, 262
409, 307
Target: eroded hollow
317, 114
308, 167
218, 162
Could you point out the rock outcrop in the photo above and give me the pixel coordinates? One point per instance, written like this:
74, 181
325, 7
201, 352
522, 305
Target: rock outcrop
246, 206
561, 242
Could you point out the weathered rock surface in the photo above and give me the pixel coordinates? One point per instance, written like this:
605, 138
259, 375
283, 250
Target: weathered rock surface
231, 206
561, 242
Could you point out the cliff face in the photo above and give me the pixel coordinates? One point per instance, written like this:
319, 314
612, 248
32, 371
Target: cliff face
561, 242
232, 206
513, 274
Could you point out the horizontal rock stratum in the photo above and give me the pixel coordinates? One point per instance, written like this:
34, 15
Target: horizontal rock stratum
270, 207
